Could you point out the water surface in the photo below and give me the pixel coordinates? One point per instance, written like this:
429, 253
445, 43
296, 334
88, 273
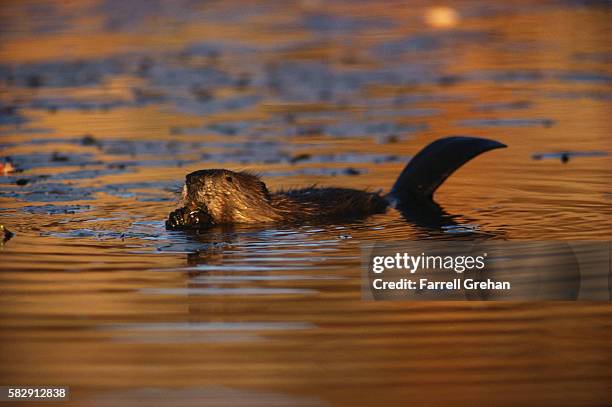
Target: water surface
105, 107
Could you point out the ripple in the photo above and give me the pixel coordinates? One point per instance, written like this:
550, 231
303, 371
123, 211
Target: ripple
229, 291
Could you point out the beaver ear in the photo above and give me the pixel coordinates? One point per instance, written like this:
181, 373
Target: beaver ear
264, 190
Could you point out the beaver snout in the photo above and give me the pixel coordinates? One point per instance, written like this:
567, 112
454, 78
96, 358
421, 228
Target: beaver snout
184, 218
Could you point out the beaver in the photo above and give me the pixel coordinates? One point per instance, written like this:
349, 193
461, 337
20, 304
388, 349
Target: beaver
222, 197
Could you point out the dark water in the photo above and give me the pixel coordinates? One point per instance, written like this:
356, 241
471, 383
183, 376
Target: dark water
105, 106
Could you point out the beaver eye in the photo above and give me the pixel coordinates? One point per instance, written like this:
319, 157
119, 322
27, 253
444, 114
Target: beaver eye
229, 179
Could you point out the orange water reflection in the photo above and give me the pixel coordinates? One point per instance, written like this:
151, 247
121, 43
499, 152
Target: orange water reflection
103, 299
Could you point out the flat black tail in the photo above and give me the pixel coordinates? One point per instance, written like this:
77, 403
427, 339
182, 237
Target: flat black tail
432, 165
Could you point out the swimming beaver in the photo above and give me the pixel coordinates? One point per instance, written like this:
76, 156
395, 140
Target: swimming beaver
217, 196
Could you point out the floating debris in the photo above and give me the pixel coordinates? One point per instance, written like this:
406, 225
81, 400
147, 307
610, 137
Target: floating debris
389, 139
300, 157
506, 122
352, 171
89, 140
565, 156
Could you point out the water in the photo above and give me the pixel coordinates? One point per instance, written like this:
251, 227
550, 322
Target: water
106, 107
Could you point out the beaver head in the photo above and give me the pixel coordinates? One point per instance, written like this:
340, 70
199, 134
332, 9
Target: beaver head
228, 197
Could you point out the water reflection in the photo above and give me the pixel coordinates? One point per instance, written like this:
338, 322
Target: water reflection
103, 110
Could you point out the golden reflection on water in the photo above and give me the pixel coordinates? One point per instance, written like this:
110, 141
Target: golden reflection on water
103, 299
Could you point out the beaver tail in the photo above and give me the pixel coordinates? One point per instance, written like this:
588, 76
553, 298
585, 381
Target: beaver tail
432, 165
